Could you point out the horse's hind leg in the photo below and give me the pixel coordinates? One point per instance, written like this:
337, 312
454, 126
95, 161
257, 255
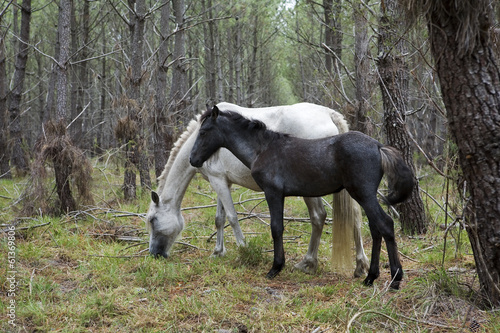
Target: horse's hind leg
381, 225
362, 262
317, 215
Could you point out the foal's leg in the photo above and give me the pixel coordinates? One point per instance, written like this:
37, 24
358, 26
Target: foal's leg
276, 201
317, 215
381, 225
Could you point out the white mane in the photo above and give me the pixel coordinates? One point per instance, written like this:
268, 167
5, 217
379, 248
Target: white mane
191, 128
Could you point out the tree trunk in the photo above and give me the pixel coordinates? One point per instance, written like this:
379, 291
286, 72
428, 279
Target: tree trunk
4, 128
163, 137
239, 95
394, 85
178, 89
80, 77
135, 143
362, 69
62, 169
18, 157
470, 84
333, 33
252, 74
209, 36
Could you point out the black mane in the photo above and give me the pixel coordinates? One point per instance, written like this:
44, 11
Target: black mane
245, 123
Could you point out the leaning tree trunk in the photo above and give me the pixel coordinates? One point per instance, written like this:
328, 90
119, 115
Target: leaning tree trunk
18, 157
394, 85
470, 84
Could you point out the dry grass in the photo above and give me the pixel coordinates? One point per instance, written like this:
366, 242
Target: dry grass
87, 272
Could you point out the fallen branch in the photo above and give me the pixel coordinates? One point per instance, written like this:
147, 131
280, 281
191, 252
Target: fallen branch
26, 228
115, 257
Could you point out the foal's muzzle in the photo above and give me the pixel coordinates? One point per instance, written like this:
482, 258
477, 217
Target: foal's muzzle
195, 163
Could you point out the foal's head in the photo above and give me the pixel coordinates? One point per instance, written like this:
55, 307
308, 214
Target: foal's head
209, 138
218, 128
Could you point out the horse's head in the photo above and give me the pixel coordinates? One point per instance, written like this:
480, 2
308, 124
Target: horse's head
164, 225
209, 138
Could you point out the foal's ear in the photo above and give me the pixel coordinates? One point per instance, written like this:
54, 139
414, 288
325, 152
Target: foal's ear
155, 198
215, 112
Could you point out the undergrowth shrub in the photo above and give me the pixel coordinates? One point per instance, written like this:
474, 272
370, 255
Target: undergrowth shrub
252, 254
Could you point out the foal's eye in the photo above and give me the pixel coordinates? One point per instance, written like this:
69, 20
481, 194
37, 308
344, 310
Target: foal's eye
202, 133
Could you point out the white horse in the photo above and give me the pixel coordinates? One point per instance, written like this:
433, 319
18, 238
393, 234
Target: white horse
304, 120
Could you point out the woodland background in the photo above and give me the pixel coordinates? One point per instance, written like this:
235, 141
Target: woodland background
88, 82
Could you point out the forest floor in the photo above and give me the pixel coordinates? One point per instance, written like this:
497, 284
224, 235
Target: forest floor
89, 271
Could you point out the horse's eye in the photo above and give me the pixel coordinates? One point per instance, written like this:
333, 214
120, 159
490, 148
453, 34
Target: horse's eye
202, 133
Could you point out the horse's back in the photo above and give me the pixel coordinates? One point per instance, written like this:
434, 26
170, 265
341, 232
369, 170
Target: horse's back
303, 120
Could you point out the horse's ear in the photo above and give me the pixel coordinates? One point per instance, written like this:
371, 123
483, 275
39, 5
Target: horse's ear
208, 107
155, 198
215, 112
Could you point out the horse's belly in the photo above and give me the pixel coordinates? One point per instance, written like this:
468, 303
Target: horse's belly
236, 172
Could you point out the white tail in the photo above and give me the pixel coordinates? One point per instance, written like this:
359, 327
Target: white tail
346, 216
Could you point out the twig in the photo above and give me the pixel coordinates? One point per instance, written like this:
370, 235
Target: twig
365, 312
428, 322
134, 245
115, 257
193, 246
29, 227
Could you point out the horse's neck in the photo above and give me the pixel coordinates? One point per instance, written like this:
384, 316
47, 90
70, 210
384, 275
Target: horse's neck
245, 146
179, 175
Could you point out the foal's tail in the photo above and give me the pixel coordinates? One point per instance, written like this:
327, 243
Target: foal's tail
399, 176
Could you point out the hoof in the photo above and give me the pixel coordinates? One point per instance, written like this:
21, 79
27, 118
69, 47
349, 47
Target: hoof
368, 282
272, 274
307, 266
217, 254
395, 285
361, 268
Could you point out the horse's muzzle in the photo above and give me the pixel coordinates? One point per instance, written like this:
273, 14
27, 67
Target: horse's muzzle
195, 163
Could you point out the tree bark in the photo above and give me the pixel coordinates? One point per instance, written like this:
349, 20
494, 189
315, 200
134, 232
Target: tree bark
209, 36
178, 89
163, 136
394, 78
4, 128
470, 84
18, 157
135, 147
361, 68
333, 33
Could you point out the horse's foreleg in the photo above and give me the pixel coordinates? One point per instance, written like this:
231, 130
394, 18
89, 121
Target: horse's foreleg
317, 215
225, 207
220, 220
275, 202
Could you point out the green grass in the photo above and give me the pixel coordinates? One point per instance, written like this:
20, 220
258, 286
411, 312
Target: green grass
74, 274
